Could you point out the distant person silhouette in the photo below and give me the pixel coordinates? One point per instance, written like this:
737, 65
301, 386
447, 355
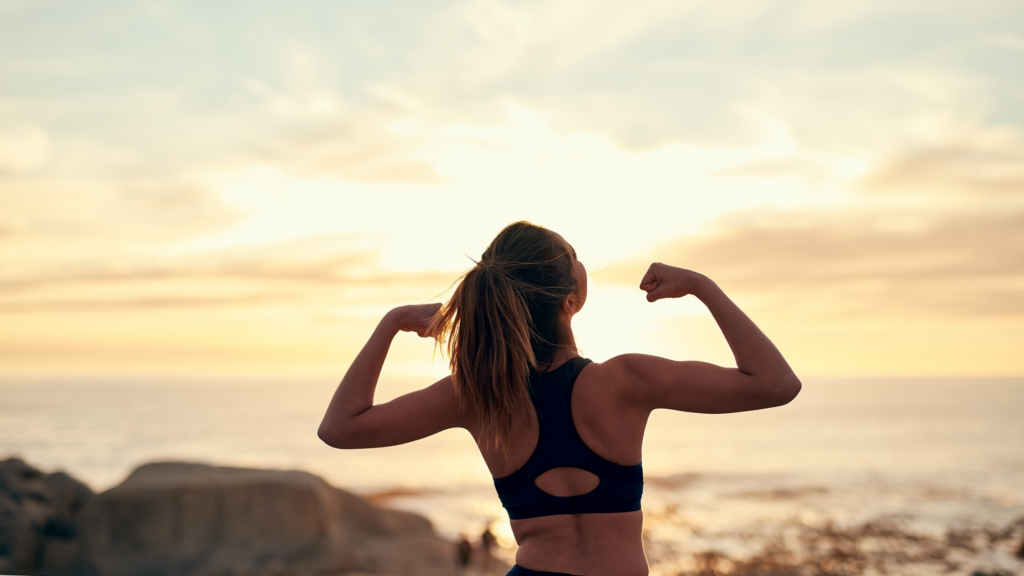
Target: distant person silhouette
487, 542
561, 435
464, 552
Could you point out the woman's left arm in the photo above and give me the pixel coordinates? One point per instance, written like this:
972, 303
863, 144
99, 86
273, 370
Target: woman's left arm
353, 421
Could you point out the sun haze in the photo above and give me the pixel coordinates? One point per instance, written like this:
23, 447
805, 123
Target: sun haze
220, 189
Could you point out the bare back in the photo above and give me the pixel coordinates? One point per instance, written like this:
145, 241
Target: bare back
593, 544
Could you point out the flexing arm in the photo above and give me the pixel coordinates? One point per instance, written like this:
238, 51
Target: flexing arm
353, 421
762, 377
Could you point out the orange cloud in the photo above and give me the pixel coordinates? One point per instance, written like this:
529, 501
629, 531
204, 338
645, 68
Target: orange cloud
991, 167
862, 293
88, 211
866, 263
362, 147
291, 307
327, 268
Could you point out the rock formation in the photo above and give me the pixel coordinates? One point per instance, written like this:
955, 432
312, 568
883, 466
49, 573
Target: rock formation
37, 515
179, 519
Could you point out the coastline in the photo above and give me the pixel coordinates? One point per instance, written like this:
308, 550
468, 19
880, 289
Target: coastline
934, 458
753, 525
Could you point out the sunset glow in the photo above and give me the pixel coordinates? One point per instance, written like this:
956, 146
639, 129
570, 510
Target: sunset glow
244, 190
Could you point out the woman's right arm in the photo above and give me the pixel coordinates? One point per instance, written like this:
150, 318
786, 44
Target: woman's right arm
353, 420
762, 377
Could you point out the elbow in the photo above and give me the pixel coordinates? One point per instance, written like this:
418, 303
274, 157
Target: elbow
326, 436
786, 390
335, 438
345, 431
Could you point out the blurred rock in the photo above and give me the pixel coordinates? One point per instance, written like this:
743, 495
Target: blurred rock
38, 518
179, 519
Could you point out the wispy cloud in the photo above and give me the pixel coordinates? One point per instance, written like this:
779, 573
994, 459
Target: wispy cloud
341, 270
886, 265
23, 148
371, 146
86, 212
209, 165
983, 168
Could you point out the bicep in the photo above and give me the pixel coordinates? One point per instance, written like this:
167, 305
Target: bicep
653, 382
407, 418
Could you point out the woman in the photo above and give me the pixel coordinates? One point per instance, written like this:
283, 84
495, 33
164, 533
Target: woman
560, 434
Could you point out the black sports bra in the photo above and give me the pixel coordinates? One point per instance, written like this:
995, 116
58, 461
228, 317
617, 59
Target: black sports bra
559, 445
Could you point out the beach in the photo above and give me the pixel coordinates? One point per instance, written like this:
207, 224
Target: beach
856, 475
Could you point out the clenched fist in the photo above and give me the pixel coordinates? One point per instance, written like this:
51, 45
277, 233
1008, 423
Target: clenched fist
415, 318
664, 281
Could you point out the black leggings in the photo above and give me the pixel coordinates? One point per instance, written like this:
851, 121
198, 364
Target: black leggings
518, 570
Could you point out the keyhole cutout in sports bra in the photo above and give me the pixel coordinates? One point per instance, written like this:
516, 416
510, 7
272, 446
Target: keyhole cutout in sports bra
566, 481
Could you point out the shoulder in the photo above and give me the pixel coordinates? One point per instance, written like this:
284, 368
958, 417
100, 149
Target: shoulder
652, 382
630, 366
440, 403
443, 397
627, 376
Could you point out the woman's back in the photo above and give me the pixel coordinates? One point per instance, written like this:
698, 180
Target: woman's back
591, 542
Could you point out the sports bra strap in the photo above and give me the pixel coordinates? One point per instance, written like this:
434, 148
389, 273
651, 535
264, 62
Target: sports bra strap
560, 445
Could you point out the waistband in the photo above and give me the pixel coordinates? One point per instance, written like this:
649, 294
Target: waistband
518, 570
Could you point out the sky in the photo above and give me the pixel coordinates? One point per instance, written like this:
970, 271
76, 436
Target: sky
245, 188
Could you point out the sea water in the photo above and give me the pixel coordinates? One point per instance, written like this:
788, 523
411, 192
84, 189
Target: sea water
929, 456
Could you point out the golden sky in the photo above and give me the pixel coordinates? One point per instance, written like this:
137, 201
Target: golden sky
244, 189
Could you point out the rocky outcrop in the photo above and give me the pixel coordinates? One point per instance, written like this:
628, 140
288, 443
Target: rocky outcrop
179, 519
38, 516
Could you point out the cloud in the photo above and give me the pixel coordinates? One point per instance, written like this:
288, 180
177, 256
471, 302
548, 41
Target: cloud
90, 211
861, 264
140, 145
1008, 41
368, 147
325, 271
23, 149
309, 129
650, 73
798, 167
986, 167
358, 94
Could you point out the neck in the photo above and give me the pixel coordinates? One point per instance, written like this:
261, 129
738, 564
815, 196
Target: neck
566, 350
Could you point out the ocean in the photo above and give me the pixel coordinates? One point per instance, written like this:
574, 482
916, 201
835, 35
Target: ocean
856, 476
